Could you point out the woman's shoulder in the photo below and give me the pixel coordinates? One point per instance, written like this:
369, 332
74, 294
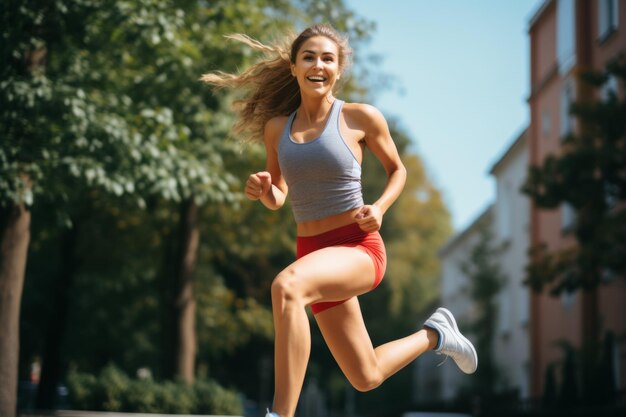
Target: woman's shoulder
274, 127
363, 113
276, 123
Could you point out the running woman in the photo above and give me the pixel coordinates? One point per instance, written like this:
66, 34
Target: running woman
314, 146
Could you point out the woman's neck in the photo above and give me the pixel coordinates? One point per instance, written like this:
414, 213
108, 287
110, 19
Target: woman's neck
315, 109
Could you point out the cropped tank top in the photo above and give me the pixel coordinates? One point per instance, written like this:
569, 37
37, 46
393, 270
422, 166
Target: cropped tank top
323, 175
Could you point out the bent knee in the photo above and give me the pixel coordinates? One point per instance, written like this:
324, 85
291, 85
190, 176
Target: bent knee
285, 287
367, 382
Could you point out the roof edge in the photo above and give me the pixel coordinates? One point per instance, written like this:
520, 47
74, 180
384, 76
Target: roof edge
521, 138
537, 15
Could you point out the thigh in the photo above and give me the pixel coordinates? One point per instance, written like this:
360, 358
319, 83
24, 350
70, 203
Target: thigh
331, 274
347, 338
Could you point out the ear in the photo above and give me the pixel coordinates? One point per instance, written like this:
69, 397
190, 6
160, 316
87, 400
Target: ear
293, 71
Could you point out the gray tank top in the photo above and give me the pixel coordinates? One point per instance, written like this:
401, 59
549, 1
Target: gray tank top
323, 175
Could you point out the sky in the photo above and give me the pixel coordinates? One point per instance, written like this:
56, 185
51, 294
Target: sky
460, 73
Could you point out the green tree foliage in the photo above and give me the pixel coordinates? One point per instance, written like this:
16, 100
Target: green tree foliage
96, 109
588, 175
103, 102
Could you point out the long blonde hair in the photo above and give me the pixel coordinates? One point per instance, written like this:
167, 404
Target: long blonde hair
269, 89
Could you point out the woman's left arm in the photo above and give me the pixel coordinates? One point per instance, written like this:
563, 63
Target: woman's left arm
378, 140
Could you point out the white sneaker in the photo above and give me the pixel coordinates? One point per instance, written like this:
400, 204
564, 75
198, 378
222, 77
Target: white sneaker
271, 414
452, 342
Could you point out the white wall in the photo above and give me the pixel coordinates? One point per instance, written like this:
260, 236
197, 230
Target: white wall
512, 219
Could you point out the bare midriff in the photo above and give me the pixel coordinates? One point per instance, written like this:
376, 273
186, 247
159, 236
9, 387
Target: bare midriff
316, 227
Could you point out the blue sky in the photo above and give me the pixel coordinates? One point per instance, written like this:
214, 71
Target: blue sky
463, 69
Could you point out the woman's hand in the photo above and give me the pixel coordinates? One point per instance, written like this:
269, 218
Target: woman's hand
258, 185
369, 218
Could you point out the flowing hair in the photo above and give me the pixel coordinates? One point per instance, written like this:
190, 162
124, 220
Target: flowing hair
268, 88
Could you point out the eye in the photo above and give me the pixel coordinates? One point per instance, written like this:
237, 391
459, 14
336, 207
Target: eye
329, 59
308, 57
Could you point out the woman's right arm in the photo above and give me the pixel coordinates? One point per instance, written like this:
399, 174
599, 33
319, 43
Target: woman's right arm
269, 186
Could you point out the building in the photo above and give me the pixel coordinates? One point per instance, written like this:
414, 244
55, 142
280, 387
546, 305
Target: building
511, 235
568, 37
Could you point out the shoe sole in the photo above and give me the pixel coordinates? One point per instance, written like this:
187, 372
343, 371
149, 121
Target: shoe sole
448, 315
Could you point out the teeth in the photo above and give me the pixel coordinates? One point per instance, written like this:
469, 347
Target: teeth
317, 78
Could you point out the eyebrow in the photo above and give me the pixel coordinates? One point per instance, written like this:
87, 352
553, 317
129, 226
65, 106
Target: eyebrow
314, 52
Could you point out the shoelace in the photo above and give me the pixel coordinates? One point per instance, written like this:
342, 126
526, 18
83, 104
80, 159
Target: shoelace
447, 353
443, 361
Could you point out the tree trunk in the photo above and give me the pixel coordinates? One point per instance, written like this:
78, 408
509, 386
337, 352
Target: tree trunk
167, 289
590, 216
185, 303
591, 345
53, 364
14, 239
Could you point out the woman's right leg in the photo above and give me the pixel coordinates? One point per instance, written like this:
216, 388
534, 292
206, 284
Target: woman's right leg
329, 274
292, 348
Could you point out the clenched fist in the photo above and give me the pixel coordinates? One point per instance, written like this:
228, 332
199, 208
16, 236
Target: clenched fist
258, 185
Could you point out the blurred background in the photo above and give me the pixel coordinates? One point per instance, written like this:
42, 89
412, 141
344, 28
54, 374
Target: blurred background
134, 275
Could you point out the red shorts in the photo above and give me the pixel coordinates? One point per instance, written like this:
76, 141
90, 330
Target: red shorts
349, 236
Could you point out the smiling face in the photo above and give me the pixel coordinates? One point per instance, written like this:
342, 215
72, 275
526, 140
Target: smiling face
316, 66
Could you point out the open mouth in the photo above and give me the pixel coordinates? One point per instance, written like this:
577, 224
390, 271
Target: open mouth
316, 78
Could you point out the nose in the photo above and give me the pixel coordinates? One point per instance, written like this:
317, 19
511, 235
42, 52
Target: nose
318, 63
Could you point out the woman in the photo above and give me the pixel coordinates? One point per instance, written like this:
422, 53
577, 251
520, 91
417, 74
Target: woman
314, 144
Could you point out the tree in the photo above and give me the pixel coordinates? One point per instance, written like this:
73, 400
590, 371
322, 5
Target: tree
588, 175
15, 223
80, 117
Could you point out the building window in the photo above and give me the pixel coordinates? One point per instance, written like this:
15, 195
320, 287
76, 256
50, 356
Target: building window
504, 204
504, 313
567, 98
609, 87
568, 217
608, 18
524, 308
565, 35
568, 299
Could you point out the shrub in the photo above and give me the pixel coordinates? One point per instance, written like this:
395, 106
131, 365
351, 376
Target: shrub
113, 385
82, 389
113, 390
215, 399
